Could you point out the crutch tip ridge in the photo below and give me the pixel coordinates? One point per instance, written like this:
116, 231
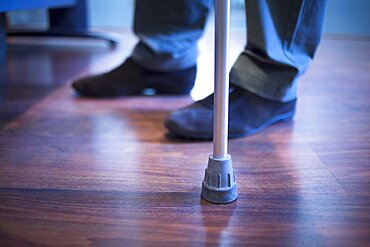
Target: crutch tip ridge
219, 183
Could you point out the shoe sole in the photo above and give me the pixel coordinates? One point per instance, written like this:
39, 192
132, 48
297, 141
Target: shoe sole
283, 117
159, 90
286, 116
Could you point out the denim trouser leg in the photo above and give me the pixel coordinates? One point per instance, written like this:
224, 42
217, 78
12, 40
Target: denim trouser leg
282, 39
169, 31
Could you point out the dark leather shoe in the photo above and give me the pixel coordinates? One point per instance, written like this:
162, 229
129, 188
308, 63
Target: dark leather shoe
131, 79
248, 114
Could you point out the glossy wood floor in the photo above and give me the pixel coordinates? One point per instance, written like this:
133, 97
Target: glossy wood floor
79, 172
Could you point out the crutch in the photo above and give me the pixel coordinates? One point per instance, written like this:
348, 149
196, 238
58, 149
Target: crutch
219, 184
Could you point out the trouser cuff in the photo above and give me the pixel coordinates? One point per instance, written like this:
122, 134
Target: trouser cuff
275, 82
164, 62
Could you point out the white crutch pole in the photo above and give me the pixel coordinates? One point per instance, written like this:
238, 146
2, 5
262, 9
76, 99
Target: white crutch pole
219, 184
221, 95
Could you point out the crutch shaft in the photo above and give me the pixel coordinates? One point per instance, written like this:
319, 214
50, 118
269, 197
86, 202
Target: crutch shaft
221, 95
219, 184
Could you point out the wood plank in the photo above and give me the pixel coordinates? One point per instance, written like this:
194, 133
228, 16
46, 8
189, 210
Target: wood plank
77, 171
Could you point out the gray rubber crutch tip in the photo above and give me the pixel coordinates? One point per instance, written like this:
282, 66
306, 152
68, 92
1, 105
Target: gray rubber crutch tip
219, 184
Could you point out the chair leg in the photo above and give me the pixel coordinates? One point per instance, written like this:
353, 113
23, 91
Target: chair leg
2, 38
69, 22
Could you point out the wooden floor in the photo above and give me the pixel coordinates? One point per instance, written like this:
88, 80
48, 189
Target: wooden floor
78, 172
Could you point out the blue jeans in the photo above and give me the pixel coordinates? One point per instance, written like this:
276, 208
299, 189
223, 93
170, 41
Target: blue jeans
282, 37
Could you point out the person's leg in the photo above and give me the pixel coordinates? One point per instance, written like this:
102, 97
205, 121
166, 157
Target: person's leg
282, 39
169, 31
164, 58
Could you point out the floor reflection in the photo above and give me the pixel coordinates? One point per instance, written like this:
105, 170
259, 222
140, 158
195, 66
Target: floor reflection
217, 223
